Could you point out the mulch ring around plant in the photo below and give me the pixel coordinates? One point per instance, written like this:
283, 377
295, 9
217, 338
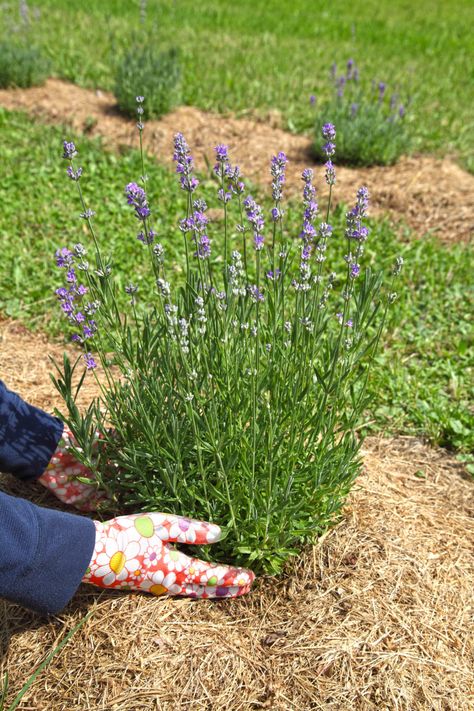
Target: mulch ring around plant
378, 615
426, 193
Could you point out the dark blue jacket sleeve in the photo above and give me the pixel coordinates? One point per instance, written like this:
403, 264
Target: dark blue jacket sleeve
28, 436
43, 554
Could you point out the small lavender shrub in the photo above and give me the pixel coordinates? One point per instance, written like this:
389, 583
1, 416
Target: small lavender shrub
237, 395
371, 123
22, 66
148, 72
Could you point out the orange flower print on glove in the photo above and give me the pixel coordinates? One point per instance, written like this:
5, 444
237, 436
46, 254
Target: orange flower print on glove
133, 553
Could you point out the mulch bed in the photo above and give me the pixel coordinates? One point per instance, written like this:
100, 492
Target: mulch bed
427, 193
378, 615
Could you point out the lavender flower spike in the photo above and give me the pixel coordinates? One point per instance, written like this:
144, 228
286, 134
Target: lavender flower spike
184, 164
277, 170
255, 217
136, 196
69, 150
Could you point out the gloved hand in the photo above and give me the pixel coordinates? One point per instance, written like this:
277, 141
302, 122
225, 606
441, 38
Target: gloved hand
133, 553
60, 477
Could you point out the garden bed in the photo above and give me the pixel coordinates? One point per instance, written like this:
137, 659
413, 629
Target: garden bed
432, 194
377, 615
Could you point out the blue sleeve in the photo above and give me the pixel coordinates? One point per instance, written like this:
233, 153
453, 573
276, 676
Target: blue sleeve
43, 554
28, 436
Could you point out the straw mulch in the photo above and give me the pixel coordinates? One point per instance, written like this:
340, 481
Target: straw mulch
378, 615
432, 194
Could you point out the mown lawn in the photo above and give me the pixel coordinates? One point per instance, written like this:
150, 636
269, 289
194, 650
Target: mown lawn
252, 57
422, 384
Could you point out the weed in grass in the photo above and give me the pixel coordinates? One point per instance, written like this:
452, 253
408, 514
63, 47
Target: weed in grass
242, 387
148, 72
371, 124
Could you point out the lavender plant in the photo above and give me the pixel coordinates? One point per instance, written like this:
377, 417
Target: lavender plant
22, 63
155, 74
235, 395
371, 124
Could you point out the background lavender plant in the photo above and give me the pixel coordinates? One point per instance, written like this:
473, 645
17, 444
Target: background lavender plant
145, 70
372, 122
237, 396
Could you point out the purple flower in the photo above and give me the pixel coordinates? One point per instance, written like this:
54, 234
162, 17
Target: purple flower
328, 132
255, 293
401, 111
312, 99
74, 174
354, 228
136, 197
354, 270
255, 217
64, 257
184, 164
382, 87
69, 150
329, 148
330, 173
273, 275
354, 108
222, 153
89, 361
325, 230
87, 214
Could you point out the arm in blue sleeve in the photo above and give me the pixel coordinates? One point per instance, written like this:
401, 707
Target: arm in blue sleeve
43, 554
28, 436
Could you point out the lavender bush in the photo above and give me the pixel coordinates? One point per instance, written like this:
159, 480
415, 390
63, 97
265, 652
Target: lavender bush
155, 74
371, 124
236, 395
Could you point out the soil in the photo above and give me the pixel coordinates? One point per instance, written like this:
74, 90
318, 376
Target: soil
429, 194
378, 615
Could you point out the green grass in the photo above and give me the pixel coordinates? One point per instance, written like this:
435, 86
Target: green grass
252, 56
422, 384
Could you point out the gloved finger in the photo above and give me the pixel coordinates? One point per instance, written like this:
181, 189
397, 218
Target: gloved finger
180, 529
203, 591
194, 571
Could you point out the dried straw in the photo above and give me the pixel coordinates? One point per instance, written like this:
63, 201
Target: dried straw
378, 615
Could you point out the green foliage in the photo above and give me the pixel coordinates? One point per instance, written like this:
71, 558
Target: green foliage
149, 73
429, 360
239, 394
371, 124
22, 66
235, 58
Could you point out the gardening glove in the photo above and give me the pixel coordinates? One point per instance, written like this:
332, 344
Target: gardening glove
61, 475
133, 553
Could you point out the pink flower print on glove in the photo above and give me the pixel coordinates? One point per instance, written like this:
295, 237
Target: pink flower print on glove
61, 475
133, 553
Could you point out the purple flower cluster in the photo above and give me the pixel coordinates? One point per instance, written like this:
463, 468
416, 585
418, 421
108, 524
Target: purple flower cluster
329, 148
136, 196
255, 293
69, 150
226, 172
308, 231
71, 298
197, 224
277, 170
255, 217
184, 164
355, 230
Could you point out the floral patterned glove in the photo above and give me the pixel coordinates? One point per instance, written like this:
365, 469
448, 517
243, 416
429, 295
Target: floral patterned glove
60, 477
133, 553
